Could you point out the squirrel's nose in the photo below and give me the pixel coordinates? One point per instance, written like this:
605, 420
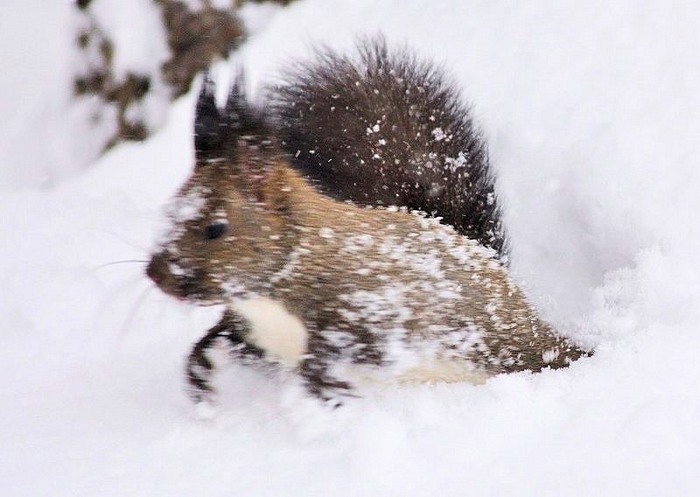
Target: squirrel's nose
157, 269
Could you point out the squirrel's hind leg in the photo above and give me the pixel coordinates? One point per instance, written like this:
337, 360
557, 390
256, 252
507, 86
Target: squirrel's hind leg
318, 376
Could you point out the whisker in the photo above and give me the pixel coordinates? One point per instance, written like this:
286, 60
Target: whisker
110, 297
134, 309
114, 263
121, 239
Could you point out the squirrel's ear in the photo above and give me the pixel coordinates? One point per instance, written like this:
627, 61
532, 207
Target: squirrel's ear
239, 113
236, 102
207, 123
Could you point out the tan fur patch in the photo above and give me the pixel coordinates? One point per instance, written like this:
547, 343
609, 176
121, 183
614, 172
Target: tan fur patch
444, 371
429, 371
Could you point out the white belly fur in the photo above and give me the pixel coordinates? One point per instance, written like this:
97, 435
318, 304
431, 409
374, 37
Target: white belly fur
274, 330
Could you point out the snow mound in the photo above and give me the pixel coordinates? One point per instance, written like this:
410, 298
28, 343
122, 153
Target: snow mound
590, 110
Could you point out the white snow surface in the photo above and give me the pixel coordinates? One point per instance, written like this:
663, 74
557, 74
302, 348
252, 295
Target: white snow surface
591, 112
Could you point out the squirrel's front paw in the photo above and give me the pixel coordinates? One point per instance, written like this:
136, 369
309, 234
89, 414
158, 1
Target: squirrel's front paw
205, 410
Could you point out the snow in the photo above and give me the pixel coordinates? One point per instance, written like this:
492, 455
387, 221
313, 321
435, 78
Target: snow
52, 136
139, 54
590, 110
33, 93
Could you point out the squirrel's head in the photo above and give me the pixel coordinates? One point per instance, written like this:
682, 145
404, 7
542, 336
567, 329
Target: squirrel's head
229, 227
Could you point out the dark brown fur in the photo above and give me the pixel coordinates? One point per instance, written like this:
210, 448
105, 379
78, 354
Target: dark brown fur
387, 128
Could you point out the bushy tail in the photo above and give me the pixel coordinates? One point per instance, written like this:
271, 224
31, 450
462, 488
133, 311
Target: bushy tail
384, 127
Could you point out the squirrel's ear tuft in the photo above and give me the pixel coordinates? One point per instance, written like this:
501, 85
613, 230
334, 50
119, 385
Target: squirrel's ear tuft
237, 110
243, 117
208, 123
218, 133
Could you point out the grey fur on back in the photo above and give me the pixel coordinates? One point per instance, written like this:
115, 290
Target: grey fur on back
384, 127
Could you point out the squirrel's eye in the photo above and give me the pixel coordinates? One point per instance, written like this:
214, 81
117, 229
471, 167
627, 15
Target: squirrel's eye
215, 230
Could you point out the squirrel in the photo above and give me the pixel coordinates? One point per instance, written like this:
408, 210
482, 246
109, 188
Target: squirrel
328, 291
384, 127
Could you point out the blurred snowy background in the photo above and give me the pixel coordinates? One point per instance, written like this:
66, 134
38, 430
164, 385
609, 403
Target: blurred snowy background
592, 113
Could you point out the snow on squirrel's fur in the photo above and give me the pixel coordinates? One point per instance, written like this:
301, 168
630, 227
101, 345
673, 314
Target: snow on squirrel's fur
413, 295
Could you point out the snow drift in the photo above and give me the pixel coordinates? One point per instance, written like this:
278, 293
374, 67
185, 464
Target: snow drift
591, 112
